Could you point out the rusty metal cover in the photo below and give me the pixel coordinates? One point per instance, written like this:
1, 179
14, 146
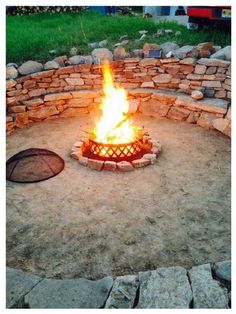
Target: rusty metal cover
33, 165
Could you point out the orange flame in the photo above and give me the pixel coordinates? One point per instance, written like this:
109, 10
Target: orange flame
114, 125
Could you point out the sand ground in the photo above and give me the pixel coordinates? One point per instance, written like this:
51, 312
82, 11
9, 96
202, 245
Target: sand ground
84, 223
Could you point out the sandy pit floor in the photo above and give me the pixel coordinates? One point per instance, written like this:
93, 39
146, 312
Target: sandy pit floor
84, 223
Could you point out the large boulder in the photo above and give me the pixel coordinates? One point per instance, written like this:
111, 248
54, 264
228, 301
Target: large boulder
102, 54
222, 54
81, 60
11, 73
51, 65
120, 53
169, 47
30, 67
185, 52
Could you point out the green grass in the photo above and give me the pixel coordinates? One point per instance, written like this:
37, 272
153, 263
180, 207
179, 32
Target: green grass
31, 37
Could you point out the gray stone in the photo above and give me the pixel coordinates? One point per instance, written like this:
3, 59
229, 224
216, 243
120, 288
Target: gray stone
223, 54
123, 292
207, 104
223, 270
164, 288
207, 292
214, 62
81, 60
169, 47
120, 53
103, 54
11, 73
196, 94
18, 284
185, 52
93, 44
51, 65
103, 43
73, 51
29, 67
162, 78
11, 64
70, 293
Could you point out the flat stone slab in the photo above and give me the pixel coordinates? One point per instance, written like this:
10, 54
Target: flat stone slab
123, 292
70, 293
164, 288
18, 284
207, 292
206, 104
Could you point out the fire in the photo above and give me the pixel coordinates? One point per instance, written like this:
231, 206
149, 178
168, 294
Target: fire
114, 125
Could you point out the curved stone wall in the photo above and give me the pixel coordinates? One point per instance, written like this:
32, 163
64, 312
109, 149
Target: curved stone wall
156, 87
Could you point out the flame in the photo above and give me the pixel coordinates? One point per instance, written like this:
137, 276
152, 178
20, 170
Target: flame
114, 125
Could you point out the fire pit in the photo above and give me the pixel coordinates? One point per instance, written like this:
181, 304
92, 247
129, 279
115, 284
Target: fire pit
115, 143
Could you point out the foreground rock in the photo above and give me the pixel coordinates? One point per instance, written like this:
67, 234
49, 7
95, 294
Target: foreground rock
164, 288
207, 292
70, 293
123, 293
196, 94
18, 284
223, 270
30, 67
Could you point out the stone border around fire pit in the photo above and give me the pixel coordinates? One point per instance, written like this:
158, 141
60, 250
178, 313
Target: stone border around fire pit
203, 286
123, 166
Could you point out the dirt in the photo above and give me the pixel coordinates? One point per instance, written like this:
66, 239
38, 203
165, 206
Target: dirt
84, 223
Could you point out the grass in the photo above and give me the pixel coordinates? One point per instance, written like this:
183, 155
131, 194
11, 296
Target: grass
31, 37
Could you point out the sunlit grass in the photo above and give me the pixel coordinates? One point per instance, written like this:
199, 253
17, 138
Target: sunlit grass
31, 37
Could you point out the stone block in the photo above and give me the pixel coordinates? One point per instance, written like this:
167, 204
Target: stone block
69, 293
178, 113
10, 84
206, 120
29, 84
79, 102
95, 164
186, 69
220, 94
214, 62
32, 103
151, 157
73, 112
123, 293
147, 84
16, 109
110, 165
154, 107
200, 69
22, 119
74, 81
188, 61
207, 292
139, 163
83, 161
37, 92
221, 124
164, 288
42, 113
124, 166
206, 104
30, 67
211, 70
162, 78
18, 284
58, 96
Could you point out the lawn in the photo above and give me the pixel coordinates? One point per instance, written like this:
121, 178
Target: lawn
31, 37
